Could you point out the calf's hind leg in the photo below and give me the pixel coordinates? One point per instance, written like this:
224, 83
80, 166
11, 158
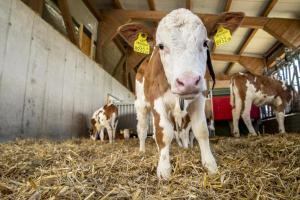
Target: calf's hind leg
246, 117
142, 122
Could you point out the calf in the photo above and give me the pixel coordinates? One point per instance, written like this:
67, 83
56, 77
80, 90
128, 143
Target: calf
247, 89
172, 77
104, 118
183, 133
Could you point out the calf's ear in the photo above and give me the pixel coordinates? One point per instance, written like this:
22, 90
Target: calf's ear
129, 32
229, 20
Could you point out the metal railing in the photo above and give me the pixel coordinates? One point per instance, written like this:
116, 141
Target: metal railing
287, 70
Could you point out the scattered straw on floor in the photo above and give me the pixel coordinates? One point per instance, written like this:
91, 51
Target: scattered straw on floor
266, 167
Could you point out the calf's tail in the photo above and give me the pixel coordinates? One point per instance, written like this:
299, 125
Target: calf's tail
232, 95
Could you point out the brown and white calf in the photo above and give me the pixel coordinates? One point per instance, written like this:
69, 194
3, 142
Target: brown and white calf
182, 126
175, 70
104, 118
247, 89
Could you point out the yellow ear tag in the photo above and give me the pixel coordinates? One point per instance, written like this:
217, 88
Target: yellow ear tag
141, 44
223, 36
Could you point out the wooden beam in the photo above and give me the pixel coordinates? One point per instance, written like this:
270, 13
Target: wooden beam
98, 55
286, 31
270, 51
35, 5
124, 72
151, 4
130, 83
269, 8
276, 53
93, 9
120, 63
117, 4
226, 57
228, 5
249, 22
119, 44
188, 4
253, 64
228, 68
64, 8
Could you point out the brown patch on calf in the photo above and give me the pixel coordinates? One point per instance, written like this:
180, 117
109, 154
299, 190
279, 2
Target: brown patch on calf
155, 86
93, 130
156, 83
140, 73
158, 130
109, 110
240, 83
185, 121
267, 85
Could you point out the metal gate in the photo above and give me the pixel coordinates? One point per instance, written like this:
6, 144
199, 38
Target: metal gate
128, 120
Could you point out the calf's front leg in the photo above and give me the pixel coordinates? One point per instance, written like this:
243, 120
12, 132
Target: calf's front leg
200, 130
163, 137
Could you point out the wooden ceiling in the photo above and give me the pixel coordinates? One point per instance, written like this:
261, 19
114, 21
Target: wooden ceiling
262, 37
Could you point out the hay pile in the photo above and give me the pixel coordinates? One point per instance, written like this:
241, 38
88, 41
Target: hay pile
266, 167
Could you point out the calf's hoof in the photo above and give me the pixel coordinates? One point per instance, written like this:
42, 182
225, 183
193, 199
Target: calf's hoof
164, 171
252, 134
211, 167
235, 134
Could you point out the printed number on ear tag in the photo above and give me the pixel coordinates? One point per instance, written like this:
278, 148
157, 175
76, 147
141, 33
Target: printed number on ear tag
141, 44
223, 36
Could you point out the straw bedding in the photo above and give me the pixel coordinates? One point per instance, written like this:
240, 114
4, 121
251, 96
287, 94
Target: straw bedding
265, 167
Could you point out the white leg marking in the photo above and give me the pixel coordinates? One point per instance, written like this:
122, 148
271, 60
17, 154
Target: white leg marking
200, 130
142, 125
102, 134
280, 120
236, 111
164, 167
246, 117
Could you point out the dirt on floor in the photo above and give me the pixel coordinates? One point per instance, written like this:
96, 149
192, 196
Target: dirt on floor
264, 167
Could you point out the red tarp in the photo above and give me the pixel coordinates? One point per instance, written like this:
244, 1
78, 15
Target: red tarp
222, 109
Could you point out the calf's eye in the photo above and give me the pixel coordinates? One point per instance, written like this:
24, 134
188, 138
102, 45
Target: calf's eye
161, 46
205, 43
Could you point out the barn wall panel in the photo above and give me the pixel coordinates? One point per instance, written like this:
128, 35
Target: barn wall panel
14, 72
48, 88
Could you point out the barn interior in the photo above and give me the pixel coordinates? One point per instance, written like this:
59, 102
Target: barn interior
60, 60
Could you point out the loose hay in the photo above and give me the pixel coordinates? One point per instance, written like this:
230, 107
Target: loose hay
266, 167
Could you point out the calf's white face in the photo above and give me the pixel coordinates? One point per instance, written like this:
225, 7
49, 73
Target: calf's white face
181, 37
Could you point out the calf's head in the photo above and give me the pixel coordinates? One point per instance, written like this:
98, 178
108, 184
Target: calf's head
182, 39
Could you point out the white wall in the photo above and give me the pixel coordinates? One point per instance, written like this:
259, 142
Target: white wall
48, 88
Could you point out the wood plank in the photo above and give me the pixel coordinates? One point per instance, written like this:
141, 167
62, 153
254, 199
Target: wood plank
64, 8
